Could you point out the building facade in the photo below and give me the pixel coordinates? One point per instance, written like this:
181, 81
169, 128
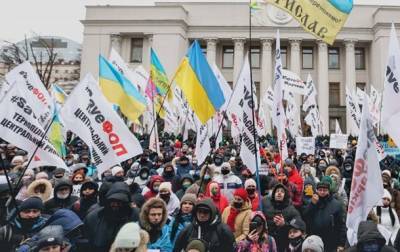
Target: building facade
356, 59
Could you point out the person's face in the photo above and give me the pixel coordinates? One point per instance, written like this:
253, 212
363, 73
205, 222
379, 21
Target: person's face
386, 201
279, 194
187, 207
322, 192
203, 215
119, 174
155, 215
51, 248
238, 200
30, 213
115, 205
294, 233
63, 190
85, 159
88, 191
40, 188
78, 178
169, 169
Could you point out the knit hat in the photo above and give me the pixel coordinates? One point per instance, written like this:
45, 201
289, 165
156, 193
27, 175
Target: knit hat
48, 241
128, 236
326, 182
386, 194
189, 197
31, 203
313, 243
250, 182
116, 169
17, 159
165, 186
298, 223
196, 244
242, 193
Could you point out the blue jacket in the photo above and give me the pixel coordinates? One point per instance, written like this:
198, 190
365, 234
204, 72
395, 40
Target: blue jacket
185, 221
164, 242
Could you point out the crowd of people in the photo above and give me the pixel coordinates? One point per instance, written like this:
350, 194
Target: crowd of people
168, 202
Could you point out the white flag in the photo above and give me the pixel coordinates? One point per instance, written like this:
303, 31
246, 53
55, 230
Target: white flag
292, 82
248, 147
235, 108
313, 120
309, 94
374, 106
88, 114
154, 141
33, 90
391, 96
203, 146
269, 97
278, 113
367, 186
337, 128
293, 116
19, 125
226, 89
353, 110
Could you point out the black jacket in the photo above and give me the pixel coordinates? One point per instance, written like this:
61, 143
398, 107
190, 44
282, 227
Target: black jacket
102, 224
52, 205
288, 211
327, 220
215, 234
369, 233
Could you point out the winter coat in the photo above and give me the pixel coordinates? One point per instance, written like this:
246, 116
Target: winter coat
163, 242
367, 232
327, 220
296, 179
215, 234
55, 203
271, 207
219, 200
173, 204
182, 191
228, 184
386, 221
45, 195
102, 224
242, 220
177, 224
255, 201
151, 193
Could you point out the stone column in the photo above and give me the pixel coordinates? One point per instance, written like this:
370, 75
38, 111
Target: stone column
211, 50
266, 75
323, 85
350, 69
238, 57
295, 65
116, 41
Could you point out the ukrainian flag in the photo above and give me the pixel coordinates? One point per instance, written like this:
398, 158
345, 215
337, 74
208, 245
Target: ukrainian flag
158, 75
56, 136
120, 91
199, 84
58, 94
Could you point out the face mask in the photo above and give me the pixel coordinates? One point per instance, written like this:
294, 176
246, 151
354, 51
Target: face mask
62, 195
28, 222
218, 162
165, 197
214, 191
237, 205
169, 173
250, 191
296, 241
155, 188
144, 175
77, 182
225, 171
186, 185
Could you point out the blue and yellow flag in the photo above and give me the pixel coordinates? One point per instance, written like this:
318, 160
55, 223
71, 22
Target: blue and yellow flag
120, 91
322, 18
199, 84
56, 136
58, 94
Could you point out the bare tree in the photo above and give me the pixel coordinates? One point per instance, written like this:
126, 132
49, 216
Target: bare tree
14, 54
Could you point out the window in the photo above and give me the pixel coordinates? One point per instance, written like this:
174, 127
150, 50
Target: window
255, 57
66, 71
360, 58
227, 56
361, 85
284, 57
332, 124
307, 57
333, 58
334, 94
136, 50
204, 50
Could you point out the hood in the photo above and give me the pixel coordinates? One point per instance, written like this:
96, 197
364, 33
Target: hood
332, 169
60, 183
153, 179
44, 195
119, 191
368, 231
208, 190
186, 176
286, 199
65, 218
257, 213
91, 184
144, 213
208, 203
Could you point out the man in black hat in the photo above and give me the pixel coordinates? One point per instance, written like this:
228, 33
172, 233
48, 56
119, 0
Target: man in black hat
297, 234
27, 223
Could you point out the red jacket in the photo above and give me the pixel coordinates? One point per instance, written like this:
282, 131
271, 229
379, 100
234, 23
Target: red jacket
219, 200
254, 201
296, 179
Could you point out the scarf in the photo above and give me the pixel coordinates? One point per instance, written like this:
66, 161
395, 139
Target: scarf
231, 218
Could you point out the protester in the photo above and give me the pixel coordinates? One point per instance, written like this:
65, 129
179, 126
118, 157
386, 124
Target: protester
62, 197
251, 187
297, 234
184, 217
313, 243
130, 237
213, 191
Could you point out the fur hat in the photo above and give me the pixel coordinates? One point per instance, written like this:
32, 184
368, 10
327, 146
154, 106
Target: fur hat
17, 159
43, 194
332, 170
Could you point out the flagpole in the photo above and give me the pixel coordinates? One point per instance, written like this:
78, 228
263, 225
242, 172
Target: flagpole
253, 117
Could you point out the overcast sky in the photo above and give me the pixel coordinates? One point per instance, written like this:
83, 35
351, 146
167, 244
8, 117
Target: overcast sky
62, 17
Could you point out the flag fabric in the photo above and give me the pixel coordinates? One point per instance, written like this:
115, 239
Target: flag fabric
120, 91
19, 125
375, 106
353, 110
58, 94
313, 120
34, 91
309, 94
249, 145
203, 146
391, 92
158, 75
278, 113
56, 136
337, 128
199, 84
323, 19
367, 186
293, 116
226, 88
88, 115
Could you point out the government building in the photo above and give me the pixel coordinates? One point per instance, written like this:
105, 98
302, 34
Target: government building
357, 58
